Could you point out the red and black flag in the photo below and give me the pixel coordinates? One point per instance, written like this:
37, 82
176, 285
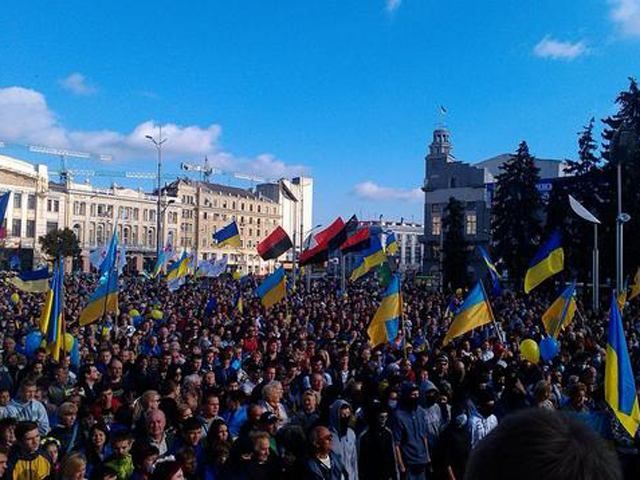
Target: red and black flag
357, 241
319, 244
275, 244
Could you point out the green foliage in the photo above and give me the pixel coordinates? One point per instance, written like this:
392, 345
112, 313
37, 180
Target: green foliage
516, 212
455, 246
60, 243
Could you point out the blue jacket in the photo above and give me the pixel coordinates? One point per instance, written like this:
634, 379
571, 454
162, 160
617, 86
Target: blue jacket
346, 446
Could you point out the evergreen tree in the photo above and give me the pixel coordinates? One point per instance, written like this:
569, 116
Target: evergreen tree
455, 246
624, 148
60, 243
516, 213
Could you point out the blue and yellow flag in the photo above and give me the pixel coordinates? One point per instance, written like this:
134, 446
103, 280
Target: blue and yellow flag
105, 298
51, 318
392, 244
371, 257
177, 272
474, 312
619, 382
228, 236
561, 312
239, 303
273, 288
36, 281
548, 261
493, 271
386, 322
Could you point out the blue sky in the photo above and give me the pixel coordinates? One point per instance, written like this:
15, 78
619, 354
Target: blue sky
345, 90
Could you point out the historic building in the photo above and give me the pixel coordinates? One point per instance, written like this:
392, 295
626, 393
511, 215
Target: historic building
473, 185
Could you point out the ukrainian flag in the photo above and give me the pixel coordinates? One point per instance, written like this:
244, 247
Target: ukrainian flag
177, 272
51, 319
159, 264
561, 312
36, 281
474, 312
493, 271
547, 262
239, 304
273, 288
386, 323
371, 257
228, 236
622, 296
619, 382
105, 298
392, 244
635, 288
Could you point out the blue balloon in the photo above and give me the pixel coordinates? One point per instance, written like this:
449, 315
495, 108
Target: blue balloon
32, 342
549, 348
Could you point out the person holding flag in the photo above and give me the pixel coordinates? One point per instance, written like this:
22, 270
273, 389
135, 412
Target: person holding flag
474, 312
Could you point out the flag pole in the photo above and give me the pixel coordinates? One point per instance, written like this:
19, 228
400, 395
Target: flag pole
493, 318
403, 320
63, 328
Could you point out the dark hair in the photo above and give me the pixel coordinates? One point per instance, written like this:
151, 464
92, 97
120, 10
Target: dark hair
141, 451
22, 428
537, 443
190, 424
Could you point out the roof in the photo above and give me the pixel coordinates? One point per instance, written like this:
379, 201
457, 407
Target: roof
549, 167
223, 189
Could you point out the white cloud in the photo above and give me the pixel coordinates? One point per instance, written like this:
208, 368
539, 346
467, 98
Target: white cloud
372, 191
392, 5
559, 50
26, 118
77, 83
626, 15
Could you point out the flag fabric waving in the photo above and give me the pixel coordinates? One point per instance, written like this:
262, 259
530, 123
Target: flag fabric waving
36, 281
548, 261
561, 312
474, 312
385, 325
4, 203
493, 271
320, 244
105, 298
635, 288
228, 236
371, 257
273, 288
51, 317
619, 382
392, 244
358, 241
277, 243
177, 272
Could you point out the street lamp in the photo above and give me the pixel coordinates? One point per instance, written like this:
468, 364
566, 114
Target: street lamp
624, 145
158, 144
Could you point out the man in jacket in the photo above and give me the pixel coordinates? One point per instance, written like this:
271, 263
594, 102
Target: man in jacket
344, 438
27, 408
26, 461
377, 457
324, 464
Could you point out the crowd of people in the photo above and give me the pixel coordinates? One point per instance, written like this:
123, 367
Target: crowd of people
210, 390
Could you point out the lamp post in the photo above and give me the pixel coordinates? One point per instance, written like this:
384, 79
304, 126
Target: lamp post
624, 145
158, 144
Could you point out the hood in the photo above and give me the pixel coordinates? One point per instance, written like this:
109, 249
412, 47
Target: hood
334, 412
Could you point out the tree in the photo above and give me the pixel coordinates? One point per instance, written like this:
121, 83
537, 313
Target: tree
623, 148
584, 182
516, 212
60, 243
455, 247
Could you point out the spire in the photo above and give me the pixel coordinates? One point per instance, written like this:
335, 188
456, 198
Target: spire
441, 144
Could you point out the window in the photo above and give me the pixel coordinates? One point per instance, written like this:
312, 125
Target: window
31, 202
435, 208
100, 234
258, 208
31, 228
436, 225
242, 206
17, 200
251, 207
152, 215
136, 213
204, 215
233, 205
51, 226
145, 215
92, 209
77, 230
471, 224
16, 227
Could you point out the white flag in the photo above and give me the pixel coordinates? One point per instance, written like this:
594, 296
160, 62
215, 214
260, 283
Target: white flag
582, 212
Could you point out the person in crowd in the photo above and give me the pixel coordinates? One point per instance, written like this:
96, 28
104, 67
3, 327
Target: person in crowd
344, 438
26, 408
410, 435
74, 467
26, 460
121, 460
376, 450
323, 463
4, 460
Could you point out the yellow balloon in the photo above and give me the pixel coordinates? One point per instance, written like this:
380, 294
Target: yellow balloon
15, 298
529, 350
156, 314
68, 342
134, 313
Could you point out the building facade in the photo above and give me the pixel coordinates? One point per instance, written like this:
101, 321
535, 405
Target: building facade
473, 185
191, 211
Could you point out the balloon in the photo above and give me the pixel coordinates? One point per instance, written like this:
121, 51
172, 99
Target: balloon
549, 348
32, 342
529, 350
15, 298
69, 341
133, 313
156, 314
